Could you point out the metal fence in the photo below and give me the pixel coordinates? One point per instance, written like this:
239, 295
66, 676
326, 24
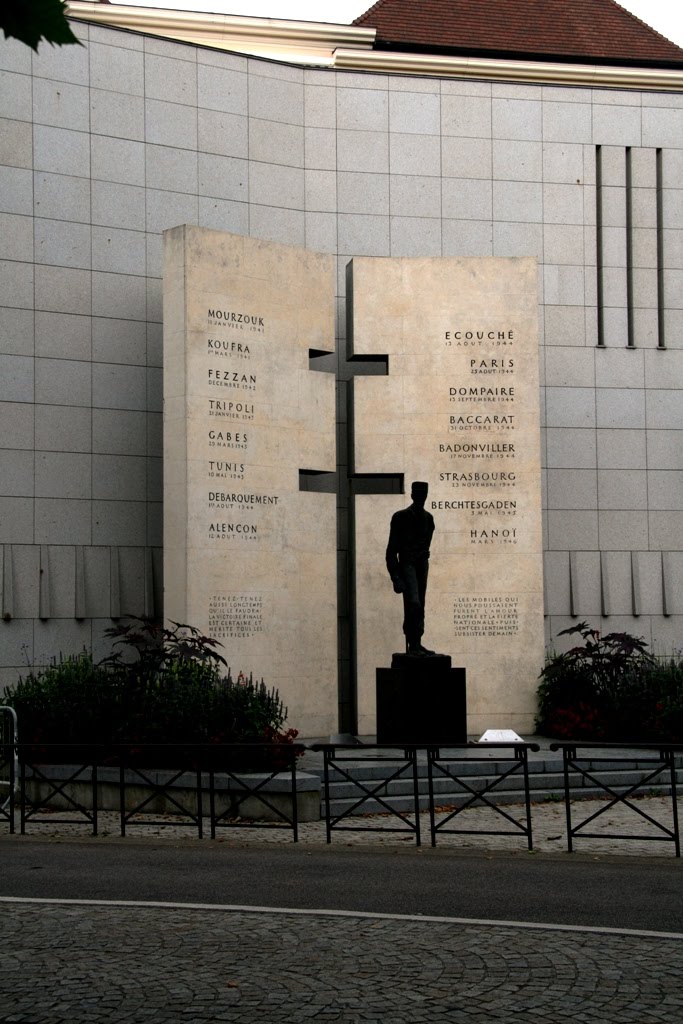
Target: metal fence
225, 783
450, 765
345, 762
8, 764
656, 763
349, 763
225, 786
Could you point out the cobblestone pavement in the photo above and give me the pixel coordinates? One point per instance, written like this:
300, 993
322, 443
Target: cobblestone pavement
161, 965
548, 823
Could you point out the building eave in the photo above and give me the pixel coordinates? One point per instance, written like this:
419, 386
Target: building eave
548, 73
294, 41
350, 48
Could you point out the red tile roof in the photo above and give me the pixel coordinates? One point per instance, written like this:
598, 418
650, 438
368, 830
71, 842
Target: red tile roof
597, 31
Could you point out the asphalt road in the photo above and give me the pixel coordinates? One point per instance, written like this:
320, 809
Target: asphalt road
577, 889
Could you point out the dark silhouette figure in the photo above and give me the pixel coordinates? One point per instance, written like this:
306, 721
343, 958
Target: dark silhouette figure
408, 563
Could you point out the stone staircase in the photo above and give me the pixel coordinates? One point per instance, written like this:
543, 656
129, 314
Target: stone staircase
546, 782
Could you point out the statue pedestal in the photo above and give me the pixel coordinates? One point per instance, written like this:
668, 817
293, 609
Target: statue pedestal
421, 700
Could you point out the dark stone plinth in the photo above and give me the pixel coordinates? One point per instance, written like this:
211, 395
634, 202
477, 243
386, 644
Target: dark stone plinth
421, 700
437, 662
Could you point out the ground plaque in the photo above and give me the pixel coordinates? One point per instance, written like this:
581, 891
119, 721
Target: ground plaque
248, 556
459, 408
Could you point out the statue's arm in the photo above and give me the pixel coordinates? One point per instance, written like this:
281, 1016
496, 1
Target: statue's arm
392, 558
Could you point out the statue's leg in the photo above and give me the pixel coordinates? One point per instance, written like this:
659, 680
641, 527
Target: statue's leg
412, 608
421, 574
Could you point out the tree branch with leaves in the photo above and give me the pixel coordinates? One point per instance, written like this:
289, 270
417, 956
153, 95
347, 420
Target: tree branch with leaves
31, 21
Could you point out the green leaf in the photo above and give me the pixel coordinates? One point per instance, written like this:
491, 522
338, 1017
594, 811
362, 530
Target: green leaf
29, 21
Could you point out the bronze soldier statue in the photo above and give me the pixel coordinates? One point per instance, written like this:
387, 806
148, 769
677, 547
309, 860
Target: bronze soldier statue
408, 564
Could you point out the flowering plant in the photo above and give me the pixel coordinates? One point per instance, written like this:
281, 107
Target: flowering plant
610, 687
160, 686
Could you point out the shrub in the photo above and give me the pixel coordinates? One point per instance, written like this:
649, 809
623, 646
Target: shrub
159, 686
610, 688
664, 717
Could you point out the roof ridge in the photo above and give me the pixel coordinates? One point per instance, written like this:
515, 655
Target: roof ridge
370, 10
597, 31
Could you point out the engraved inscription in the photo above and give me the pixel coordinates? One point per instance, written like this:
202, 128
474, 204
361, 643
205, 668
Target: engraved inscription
235, 616
486, 615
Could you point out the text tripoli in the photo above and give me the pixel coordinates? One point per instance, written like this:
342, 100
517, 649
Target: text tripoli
244, 407
244, 499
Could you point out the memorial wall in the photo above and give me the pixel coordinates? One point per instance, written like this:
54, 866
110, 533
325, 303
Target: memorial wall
458, 408
248, 556
251, 558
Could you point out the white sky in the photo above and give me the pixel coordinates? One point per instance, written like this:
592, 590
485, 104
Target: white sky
666, 16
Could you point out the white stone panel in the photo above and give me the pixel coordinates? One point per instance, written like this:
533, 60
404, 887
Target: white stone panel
249, 557
460, 409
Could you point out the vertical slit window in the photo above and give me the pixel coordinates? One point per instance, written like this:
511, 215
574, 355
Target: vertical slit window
79, 589
667, 586
630, 338
44, 583
661, 333
573, 585
7, 584
114, 584
636, 595
605, 589
599, 246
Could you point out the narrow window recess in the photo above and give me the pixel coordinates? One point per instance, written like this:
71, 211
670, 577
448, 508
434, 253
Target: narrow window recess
661, 324
599, 246
630, 327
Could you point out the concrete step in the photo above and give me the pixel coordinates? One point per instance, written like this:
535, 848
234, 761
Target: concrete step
380, 769
404, 803
554, 781
399, 787
546, 782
